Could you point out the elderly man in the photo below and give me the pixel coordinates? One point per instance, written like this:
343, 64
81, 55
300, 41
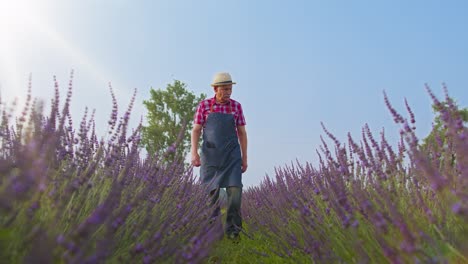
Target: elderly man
224, 148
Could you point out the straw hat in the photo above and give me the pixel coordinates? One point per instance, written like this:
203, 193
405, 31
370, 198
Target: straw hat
222, 78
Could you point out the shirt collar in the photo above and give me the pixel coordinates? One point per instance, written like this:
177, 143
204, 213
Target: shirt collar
213, 101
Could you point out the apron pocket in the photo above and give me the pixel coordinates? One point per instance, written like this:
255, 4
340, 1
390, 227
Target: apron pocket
210, 144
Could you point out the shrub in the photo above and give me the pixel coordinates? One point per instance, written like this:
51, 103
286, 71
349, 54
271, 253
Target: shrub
66, 196
367, 202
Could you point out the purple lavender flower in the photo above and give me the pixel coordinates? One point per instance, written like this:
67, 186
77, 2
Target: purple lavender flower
457, 208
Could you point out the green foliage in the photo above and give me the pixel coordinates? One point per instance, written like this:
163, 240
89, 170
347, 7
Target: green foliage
170, 115
266, 245
438, 134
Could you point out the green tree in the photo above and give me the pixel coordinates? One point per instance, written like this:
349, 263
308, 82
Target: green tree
170, 115
438, 129
437, 140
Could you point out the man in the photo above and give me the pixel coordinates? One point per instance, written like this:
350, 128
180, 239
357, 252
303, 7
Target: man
224, 148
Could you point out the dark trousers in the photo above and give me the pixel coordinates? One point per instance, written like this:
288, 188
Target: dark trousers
233, 216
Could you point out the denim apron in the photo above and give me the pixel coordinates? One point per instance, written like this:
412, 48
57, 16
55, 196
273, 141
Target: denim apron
221, 160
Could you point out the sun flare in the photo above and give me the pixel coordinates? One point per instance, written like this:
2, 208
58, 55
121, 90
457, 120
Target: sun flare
26, 28
17, 20
15, 15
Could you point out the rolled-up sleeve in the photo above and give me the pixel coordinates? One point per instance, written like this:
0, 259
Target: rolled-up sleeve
199, 118
240, 119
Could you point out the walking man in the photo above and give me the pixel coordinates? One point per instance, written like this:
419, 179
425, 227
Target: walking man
223, 156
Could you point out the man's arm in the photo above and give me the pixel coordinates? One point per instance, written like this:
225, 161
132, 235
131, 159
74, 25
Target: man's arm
196, 132
243, 144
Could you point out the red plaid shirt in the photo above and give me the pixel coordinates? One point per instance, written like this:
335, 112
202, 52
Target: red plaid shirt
204, 106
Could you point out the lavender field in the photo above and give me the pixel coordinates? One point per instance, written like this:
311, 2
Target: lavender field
68, 195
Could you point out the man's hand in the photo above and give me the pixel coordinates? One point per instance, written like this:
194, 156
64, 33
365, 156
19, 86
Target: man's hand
196, 159
196, 131
244, 165
243, 145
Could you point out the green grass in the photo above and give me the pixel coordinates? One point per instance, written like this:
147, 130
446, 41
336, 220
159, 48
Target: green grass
256, 245
254, 249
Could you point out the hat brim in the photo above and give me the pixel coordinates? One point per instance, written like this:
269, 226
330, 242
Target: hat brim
222, 83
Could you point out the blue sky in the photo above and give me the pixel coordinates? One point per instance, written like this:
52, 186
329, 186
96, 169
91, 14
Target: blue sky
297, 63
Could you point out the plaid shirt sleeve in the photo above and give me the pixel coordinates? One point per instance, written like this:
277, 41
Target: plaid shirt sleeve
199, 117
240, 119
